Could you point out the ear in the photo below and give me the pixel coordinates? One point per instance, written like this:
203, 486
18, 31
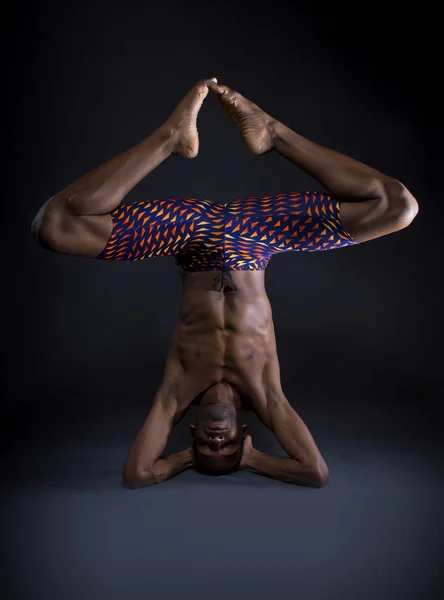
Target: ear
192, 431
244, 431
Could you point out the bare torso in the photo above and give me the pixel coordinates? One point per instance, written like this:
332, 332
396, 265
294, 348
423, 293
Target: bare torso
224, 336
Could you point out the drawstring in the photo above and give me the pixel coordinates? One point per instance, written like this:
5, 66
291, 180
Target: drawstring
223, 275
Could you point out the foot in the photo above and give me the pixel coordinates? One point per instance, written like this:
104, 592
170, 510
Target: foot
255, 124
183, 122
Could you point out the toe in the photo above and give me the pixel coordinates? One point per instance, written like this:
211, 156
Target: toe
202, 88
218, 89
206, 82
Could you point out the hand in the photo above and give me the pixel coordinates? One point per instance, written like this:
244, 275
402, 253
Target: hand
247, 453
190, 452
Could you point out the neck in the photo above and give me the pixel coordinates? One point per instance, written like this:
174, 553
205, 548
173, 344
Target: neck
222, 393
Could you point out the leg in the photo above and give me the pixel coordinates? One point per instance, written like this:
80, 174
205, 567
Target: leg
372, 204
78, 220
299, 221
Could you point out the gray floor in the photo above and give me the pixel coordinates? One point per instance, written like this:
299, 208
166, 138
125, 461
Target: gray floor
374, 532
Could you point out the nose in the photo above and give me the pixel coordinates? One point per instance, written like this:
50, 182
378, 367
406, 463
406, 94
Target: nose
216, 437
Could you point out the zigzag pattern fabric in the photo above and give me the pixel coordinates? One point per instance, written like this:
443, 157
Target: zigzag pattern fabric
244, 234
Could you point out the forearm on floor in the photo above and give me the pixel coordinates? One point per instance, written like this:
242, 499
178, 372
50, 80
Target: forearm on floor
173, 464
284, 469
343, 177
164, 468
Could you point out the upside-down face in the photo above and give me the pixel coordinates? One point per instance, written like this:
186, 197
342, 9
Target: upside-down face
217, 434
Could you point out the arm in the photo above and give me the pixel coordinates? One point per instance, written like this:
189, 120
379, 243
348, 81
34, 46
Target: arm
283, 469
144, 466
303, 466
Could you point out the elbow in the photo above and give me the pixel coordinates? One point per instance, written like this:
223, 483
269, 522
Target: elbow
320, 476
135, 478
131, 482
402, 206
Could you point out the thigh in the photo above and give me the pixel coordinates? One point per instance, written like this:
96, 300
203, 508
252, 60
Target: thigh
367, 220
299, 221
153, 228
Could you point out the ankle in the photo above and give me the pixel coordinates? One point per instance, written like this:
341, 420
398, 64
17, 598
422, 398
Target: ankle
277, 130
168, 135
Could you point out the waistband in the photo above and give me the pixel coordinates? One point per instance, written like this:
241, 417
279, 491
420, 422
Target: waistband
223, 275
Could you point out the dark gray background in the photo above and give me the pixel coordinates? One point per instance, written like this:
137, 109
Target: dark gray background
358, 330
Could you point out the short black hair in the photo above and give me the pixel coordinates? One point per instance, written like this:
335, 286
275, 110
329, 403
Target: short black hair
208, 471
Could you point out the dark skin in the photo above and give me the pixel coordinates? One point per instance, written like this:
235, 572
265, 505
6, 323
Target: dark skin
223, 350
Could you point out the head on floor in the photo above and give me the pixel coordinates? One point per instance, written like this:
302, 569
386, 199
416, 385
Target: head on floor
218, 434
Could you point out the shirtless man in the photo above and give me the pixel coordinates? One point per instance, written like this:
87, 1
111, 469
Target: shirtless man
223, 354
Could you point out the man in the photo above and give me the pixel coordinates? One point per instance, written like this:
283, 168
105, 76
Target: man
223, 354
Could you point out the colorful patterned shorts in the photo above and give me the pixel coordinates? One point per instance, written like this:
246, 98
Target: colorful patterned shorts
209, 236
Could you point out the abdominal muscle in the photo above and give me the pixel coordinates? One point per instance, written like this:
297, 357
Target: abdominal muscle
224, 337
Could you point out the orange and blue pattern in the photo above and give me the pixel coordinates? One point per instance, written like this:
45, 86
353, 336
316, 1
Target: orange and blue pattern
209, 236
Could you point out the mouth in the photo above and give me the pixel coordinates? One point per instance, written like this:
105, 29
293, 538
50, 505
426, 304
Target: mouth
216, 427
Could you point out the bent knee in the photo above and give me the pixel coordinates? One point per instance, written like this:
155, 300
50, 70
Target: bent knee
402, 205
80, 235
42, 228
49, 226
